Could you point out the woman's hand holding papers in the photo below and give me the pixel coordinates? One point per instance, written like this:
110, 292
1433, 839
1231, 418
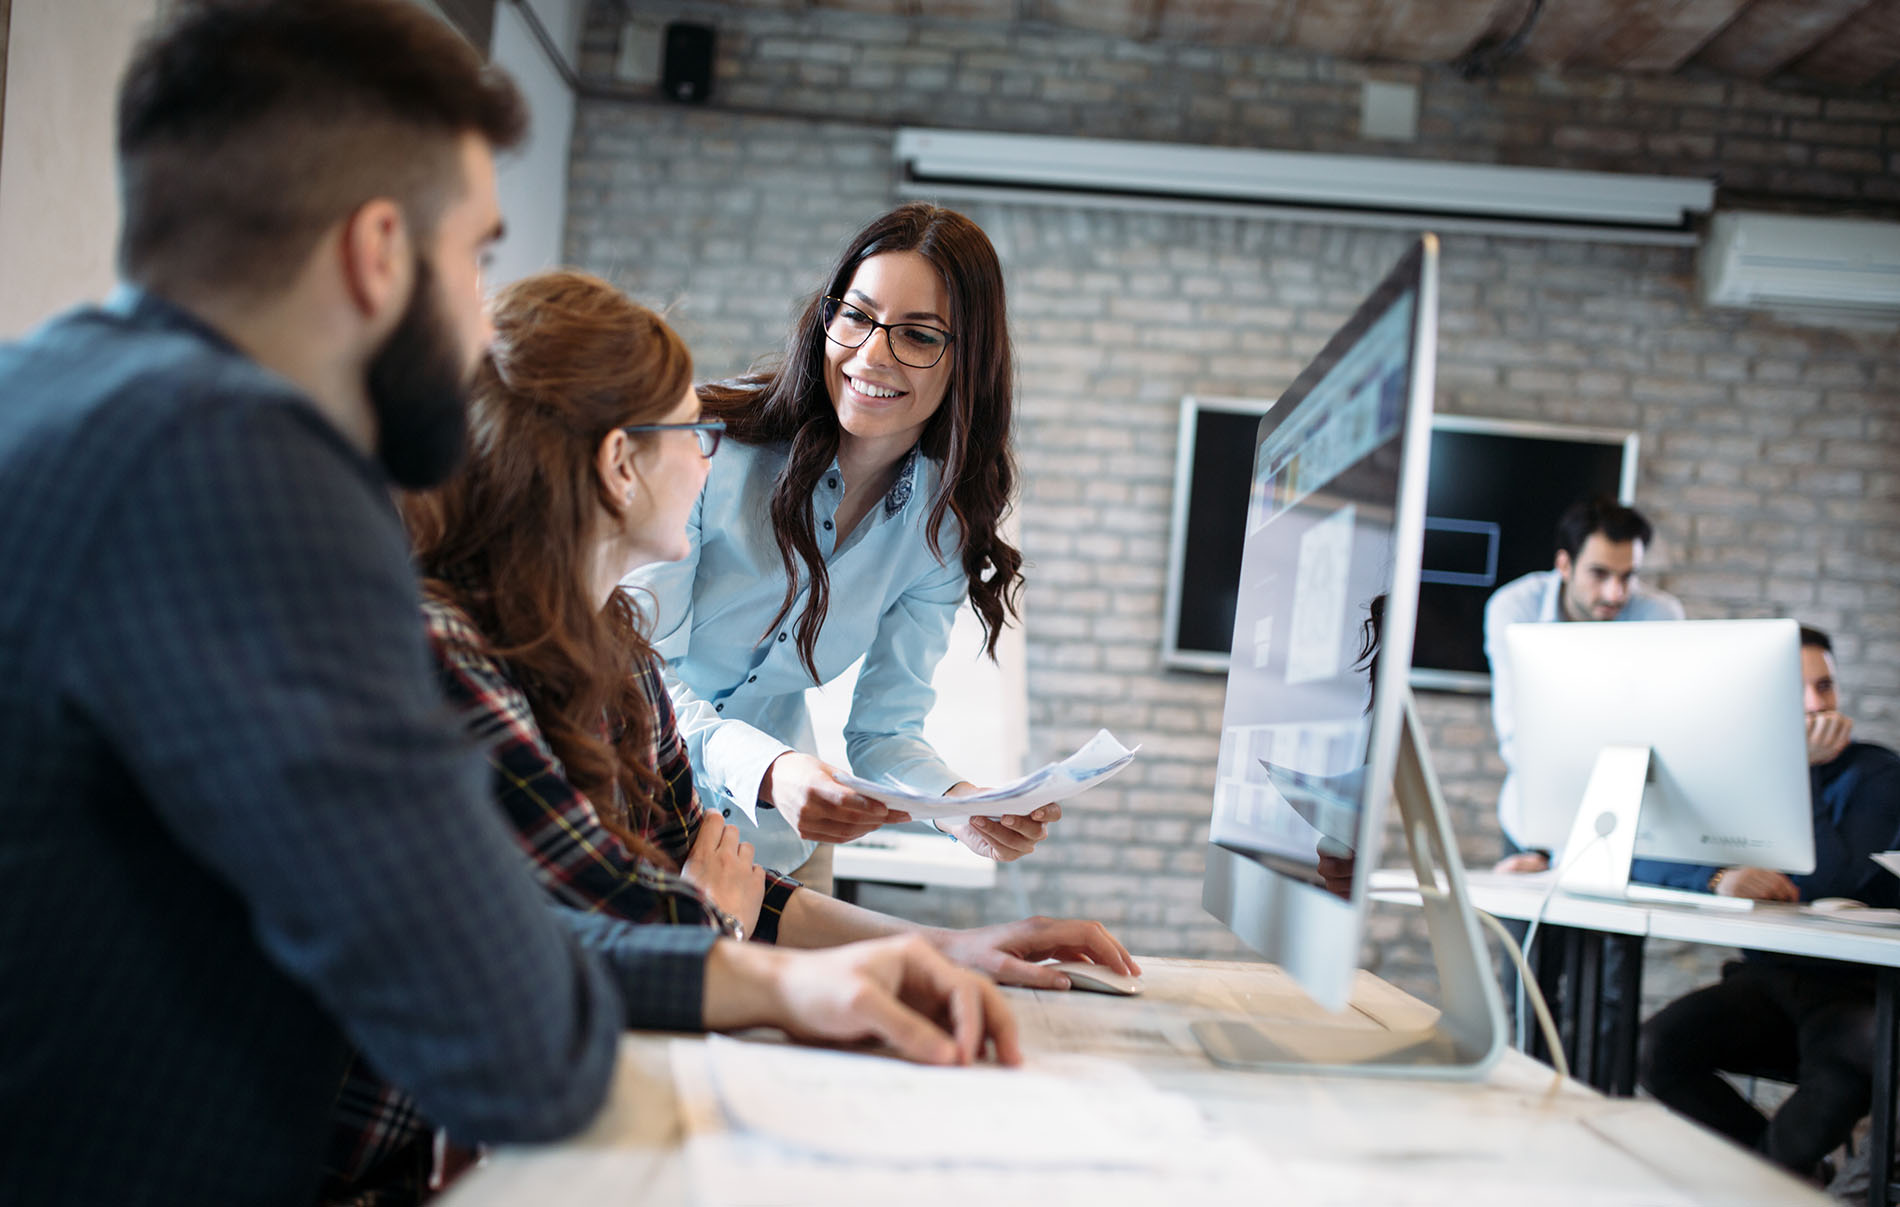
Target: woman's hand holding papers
1004, 838
1009, 952
820, 808
898, 991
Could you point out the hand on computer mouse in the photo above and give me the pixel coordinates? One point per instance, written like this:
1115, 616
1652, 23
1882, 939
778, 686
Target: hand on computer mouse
1523, 862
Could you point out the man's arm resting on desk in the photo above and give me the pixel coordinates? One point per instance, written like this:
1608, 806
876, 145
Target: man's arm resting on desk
1689, 877
898, 991
1759, 884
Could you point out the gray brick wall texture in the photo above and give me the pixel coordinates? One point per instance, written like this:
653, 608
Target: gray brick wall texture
1768, 445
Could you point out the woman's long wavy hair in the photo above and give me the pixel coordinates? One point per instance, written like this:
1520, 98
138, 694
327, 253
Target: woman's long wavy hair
511, 537
969, 436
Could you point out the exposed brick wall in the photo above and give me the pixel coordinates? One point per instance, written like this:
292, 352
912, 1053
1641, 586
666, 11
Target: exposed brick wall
920, 71
1769, 447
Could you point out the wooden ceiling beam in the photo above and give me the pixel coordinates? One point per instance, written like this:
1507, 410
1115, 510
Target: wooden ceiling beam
1860, 52
1667, 36
1335, 27
1566, 29
1242, 22
1770, 34
1439, 31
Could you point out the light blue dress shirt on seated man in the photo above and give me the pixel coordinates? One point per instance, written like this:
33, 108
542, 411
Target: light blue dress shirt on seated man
1537, 599
736, 680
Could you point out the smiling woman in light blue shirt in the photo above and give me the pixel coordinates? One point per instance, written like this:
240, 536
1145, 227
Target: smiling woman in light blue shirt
871, 468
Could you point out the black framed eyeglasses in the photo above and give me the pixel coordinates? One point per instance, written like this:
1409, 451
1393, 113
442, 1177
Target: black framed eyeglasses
918, 345
708, 432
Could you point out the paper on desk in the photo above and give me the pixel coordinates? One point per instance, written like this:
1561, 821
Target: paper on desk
1888, 859
770, 1124
1098, 759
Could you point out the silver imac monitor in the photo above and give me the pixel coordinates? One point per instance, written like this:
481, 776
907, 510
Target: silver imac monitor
1317, 720
1686, 739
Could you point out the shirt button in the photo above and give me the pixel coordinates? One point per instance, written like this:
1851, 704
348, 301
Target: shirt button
727, 812
719, 708
781, 636
827, 525
832, 483
753, 679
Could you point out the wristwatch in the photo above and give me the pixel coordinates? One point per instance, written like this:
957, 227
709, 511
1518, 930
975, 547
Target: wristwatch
729, 923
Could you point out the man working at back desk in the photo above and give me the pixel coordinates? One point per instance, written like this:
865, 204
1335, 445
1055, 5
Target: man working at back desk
1600, 548
1794, 1019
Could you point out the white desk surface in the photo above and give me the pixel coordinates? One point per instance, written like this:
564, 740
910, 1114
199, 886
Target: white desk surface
900, 857
1765, 928
1518, 1137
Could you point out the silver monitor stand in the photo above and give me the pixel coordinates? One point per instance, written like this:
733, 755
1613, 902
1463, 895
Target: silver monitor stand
1468, 1034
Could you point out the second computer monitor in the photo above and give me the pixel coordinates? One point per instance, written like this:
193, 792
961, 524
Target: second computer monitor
1717, 704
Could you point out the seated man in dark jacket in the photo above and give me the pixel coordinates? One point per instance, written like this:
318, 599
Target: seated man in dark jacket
1805, 1021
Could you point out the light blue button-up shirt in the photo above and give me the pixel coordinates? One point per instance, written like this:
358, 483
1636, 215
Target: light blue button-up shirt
1536, 599
739, 687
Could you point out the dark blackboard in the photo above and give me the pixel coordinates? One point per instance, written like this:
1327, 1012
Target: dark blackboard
1493, 497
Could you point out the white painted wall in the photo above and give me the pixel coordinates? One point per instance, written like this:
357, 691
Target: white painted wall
533, 179
59, 205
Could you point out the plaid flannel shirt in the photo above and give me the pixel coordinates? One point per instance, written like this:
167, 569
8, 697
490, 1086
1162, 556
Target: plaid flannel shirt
380, 1152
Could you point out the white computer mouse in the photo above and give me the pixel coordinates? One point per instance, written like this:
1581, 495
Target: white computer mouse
1097, 979
1834, 905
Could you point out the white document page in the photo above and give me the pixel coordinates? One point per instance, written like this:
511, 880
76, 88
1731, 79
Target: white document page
1098, 759
771, 1124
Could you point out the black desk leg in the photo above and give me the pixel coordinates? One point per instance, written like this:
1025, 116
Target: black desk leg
1881, 1189
1565, 1001
1620, 1077
845, 890
1587, 988
1549, 958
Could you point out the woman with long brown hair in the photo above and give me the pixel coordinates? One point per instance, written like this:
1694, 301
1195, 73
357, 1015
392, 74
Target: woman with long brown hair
587, 452
580, 472
861, 506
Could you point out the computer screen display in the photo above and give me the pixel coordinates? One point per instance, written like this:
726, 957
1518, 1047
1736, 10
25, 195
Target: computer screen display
1315, 570
1492, 501
1322, 633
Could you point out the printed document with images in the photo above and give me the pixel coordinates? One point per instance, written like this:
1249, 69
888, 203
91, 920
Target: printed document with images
770, 1124
1098, 759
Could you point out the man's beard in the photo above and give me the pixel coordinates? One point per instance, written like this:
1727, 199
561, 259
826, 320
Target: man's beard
419, 390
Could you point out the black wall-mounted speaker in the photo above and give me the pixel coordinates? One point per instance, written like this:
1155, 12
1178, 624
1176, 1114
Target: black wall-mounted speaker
688, 69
